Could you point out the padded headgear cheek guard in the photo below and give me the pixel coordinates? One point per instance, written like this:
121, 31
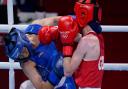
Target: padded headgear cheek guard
15, 41
86, 12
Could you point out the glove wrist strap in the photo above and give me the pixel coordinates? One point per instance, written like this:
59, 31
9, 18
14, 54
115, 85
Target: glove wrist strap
67, 51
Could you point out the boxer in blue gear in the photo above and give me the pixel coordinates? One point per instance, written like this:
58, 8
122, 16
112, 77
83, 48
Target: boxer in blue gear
57, 58
45, 56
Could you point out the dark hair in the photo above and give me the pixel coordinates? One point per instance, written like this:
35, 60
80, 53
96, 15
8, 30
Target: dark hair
95, 25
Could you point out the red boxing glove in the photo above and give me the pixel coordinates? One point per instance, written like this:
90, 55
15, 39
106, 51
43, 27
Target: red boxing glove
48, 33
68, 29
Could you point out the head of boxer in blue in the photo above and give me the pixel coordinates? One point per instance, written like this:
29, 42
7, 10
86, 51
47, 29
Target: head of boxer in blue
32, 34
17, 45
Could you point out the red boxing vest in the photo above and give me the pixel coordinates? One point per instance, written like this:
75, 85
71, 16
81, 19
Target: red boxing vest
90, 73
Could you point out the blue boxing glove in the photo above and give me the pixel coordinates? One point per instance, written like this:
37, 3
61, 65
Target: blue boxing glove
66, 83
56, 77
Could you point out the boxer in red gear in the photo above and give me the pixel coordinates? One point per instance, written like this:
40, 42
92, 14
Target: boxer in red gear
87, 60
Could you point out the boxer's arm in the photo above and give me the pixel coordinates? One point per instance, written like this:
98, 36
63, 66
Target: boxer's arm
71, 64
51, 21
31, 72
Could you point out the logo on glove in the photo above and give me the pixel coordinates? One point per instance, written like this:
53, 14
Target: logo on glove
64, 34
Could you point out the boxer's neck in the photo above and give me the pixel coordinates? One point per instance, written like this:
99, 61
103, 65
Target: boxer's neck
86, 30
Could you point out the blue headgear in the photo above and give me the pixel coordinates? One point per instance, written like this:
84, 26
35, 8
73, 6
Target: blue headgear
15, 40
33, 29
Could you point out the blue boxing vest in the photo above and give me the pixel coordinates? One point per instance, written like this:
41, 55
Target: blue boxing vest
45, 57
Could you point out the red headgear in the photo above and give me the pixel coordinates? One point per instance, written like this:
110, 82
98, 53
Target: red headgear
86, 11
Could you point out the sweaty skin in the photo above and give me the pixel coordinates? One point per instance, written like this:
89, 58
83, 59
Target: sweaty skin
51, 21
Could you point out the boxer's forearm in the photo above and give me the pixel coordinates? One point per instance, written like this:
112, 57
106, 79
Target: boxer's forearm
51, 21
31, 72
67, 66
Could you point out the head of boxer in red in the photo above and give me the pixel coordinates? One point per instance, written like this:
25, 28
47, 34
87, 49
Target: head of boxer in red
87, 11
88, 16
